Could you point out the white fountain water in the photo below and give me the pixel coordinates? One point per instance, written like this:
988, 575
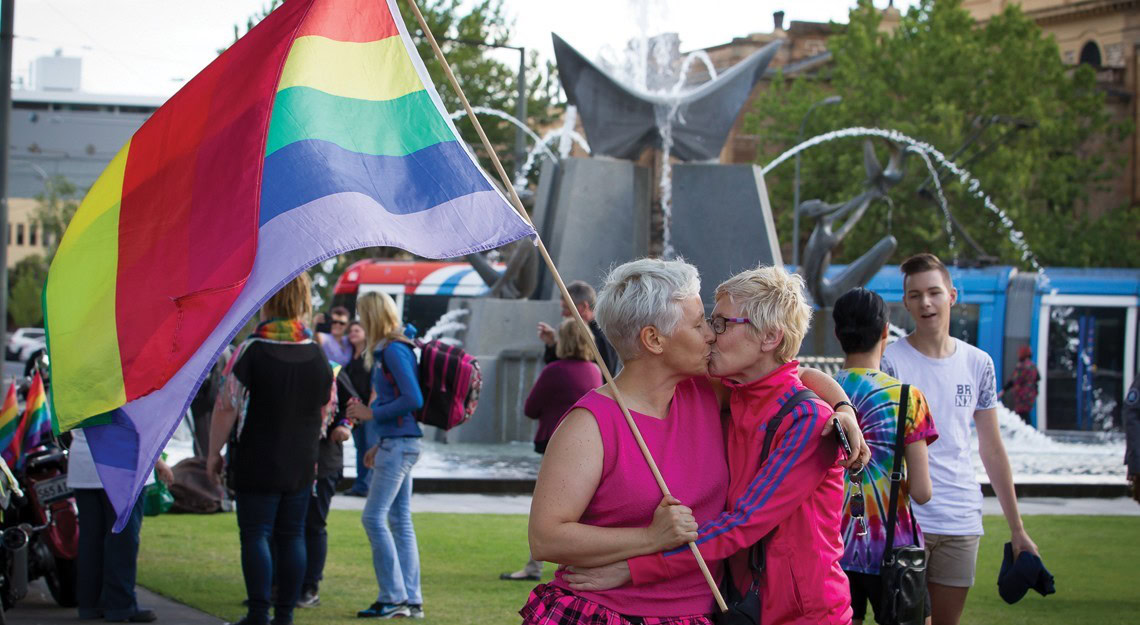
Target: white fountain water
941, 204
482, 110
566, 137
973, 186
1037, 457
569, 122
665, 121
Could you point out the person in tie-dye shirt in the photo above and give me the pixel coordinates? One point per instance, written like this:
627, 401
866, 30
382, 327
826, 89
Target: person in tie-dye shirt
861, 327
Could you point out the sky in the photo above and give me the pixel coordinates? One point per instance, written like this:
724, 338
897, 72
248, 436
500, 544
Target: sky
151, 47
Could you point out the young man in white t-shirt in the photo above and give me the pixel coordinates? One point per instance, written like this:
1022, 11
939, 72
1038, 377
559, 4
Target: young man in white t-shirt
959, 383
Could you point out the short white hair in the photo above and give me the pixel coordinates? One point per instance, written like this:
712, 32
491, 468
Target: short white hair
644, 292
772, 299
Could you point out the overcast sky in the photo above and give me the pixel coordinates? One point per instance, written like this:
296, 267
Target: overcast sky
150, 47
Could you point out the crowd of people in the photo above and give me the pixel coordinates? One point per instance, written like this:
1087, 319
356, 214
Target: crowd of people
750, 443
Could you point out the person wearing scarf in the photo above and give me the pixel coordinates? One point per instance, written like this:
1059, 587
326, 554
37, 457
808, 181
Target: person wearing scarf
276, 399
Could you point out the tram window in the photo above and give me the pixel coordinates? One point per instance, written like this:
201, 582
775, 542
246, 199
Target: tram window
423, 311
1085, 375
963, 320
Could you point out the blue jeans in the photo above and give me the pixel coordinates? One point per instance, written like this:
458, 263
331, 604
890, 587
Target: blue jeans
280, 517
107, 561
387, 519
363, 473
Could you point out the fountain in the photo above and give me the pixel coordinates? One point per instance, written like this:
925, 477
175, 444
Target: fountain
597, 211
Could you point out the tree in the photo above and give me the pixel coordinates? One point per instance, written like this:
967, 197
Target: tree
933, 78
55, 208
25, 291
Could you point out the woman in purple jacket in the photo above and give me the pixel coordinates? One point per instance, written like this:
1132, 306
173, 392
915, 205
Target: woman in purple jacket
560, 385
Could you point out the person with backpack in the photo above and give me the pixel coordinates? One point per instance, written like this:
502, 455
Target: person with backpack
560, 385
877, 517
387, 515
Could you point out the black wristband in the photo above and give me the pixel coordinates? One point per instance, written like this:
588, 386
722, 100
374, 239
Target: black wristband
844, 403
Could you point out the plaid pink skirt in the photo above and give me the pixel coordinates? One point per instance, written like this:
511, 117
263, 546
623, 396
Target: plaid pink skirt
551, 605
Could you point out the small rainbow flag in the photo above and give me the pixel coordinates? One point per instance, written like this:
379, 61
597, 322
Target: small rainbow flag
10, 437
316, 133
36, 423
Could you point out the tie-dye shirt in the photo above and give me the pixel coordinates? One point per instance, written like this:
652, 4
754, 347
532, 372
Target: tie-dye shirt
876, 398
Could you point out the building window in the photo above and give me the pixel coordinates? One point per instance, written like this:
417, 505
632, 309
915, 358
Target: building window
32, 236
19, 234
1090, 54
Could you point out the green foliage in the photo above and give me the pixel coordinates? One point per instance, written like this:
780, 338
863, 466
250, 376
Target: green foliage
25, 291
196, 560
55, 208
933, 79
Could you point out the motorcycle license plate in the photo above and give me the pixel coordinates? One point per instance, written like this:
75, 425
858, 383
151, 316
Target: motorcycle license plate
53, 490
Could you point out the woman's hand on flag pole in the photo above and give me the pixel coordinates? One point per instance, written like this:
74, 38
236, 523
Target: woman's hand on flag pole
673, 525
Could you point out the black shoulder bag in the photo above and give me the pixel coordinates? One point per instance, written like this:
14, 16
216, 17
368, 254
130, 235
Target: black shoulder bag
903, 571
744, 609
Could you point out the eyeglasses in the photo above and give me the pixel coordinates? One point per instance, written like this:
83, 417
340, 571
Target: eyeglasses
858, 509
339, 322
720, 324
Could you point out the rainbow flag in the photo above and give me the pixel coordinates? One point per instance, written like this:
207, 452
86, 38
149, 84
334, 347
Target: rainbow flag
317, 133
10, 437
36, 423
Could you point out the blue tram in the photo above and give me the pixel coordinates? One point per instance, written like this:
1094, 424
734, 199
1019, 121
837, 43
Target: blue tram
1080, 323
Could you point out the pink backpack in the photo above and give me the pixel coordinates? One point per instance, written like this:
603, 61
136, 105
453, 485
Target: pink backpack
450, 381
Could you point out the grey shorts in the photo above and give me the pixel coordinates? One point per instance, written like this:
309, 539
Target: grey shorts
951, 560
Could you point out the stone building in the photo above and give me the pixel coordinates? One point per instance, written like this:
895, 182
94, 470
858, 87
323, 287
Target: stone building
1104, 34
57, 129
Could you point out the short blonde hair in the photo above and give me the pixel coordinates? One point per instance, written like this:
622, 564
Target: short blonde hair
644, 292
293, 301
380, 320
772, 299
573, 341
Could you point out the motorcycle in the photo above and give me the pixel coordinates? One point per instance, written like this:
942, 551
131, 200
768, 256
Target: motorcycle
16, 575
40, 529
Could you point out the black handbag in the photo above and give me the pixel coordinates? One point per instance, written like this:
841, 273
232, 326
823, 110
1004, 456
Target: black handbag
744, 608
903, 570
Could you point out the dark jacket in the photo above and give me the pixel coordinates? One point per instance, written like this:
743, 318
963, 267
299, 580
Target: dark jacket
1131, 416
289, 385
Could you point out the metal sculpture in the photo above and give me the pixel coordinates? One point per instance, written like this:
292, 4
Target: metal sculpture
621, 121
826, 237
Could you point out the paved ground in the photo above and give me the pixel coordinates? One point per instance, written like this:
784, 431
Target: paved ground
39, 609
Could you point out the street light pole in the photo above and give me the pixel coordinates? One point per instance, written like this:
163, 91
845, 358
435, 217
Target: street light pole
520, 106
835, 99
7, 10
520, 113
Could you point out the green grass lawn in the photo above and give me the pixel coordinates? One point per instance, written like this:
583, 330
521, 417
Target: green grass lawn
194, 559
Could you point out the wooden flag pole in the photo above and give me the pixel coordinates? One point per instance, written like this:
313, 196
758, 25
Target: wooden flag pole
510, 188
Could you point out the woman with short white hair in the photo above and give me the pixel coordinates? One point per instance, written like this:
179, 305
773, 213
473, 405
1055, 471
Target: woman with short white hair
595, 500
785, 487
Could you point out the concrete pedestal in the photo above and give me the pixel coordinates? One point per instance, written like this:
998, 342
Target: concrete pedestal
722, 221
592, 213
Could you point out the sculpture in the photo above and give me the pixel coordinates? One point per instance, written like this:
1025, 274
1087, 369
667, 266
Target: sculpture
621, 121
825, 237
